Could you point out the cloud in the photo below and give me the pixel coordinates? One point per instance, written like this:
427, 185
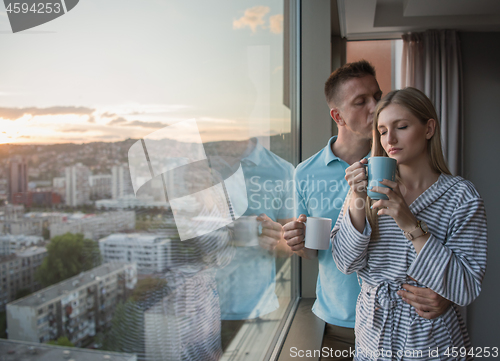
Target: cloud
74, 130
110, 136
108, 115
156, 125
118, 120
276, 23
16, 113
253, 18
122, 122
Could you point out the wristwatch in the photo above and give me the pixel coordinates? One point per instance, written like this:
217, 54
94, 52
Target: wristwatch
419, 231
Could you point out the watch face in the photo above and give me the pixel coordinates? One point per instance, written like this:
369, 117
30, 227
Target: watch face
424, 227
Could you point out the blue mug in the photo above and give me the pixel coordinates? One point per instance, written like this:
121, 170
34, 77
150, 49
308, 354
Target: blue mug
380, 168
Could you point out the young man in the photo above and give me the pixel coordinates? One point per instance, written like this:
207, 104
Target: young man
352, 93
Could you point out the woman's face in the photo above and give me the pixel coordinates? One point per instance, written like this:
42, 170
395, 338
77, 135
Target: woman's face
402, 135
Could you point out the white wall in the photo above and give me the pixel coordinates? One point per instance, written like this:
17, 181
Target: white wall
22, 323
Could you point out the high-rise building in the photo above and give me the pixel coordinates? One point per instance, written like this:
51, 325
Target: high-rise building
121, 184
100, 186
17, 177
77, 185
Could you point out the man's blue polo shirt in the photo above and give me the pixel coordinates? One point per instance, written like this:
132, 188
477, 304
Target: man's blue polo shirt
320, 190
247, 284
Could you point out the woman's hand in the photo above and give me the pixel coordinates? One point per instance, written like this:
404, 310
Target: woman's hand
355, 175
396, 206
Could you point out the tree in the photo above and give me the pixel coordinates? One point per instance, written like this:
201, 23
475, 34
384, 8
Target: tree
127, 329
67, 256
23, 292
62, 341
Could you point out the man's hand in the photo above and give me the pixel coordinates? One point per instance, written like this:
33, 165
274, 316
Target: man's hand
294, 233
426, 302
294, 236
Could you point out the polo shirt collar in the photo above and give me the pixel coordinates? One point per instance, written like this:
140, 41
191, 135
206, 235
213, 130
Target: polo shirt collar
329, 156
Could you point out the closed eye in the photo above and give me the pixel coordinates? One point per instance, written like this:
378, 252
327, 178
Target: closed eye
403, 127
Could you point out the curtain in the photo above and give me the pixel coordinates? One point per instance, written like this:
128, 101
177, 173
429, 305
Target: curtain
432, 63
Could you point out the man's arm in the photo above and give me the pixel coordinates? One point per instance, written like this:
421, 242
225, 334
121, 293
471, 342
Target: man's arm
426, 302
294, 236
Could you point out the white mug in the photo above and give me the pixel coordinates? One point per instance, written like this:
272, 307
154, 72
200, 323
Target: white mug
317, 232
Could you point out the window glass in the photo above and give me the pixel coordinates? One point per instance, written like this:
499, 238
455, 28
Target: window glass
148, 151
384, 55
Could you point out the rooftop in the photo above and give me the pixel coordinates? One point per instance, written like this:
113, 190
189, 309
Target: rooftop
28, 252
135, 238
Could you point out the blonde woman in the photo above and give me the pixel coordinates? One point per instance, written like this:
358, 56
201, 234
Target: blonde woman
431, 232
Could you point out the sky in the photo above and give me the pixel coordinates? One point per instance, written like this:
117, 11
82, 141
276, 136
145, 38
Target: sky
116, 69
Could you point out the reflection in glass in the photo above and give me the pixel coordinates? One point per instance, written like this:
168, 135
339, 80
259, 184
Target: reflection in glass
145, 182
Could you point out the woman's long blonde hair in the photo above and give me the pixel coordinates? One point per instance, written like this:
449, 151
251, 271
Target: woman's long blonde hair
421, 107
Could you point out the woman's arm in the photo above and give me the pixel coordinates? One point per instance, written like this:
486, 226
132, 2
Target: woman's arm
349, 246
355, 176
351, 234
455, 267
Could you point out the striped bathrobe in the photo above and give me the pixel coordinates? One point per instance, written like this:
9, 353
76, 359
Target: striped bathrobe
452, 263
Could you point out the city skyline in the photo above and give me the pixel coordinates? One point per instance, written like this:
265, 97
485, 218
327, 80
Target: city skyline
94, 76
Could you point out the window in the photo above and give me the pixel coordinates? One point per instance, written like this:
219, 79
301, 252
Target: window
192, 115
384, 55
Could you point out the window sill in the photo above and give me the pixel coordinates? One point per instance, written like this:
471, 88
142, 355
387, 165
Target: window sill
306, 333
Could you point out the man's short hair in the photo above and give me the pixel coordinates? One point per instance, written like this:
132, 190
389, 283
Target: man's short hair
333, 90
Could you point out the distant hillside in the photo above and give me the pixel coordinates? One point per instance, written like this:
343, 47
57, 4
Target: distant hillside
46, 162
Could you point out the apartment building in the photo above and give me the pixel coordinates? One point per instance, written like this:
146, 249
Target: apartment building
94, 226
151, 252
10, 212
121, 184
77, 308
77, 185
9, 244
13, 222
17, 272
100, 186
17, 177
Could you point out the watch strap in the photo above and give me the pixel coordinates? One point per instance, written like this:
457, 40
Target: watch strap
417, 232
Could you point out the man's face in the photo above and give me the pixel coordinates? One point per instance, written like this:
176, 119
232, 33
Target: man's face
361, 96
